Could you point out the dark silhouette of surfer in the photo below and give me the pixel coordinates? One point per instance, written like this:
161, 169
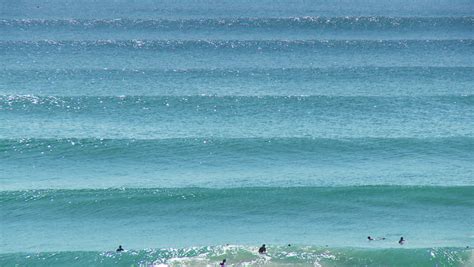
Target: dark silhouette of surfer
372, 239
401, 241
262, 249
222, 264
120, 249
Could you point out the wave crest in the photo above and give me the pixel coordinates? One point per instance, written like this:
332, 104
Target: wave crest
247, 255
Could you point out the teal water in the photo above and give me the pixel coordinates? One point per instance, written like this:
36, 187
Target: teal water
175, 128
246, 256
360, 27
332, 216
362, 81
235, 162
181, 54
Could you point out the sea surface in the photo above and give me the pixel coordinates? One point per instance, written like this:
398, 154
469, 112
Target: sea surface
193, 131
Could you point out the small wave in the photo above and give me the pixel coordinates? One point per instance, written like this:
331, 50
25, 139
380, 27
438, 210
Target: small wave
178, 149
324, 81
154, 117
271, 201
353, 23
238, 44
458, 73
212, 102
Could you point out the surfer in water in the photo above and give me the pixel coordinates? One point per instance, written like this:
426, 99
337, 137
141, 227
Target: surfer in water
222, 264
401, 241
120, 249
372, 239
262, 249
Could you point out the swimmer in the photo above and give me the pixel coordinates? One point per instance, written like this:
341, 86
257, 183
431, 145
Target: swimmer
120, 249
401, 241
262, 249
222, 264
370, 238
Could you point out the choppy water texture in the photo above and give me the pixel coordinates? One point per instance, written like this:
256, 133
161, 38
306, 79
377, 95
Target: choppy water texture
246, 256
176, 127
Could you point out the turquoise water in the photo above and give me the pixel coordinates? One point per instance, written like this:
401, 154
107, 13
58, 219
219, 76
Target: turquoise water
246, 256
176, 217
193, 131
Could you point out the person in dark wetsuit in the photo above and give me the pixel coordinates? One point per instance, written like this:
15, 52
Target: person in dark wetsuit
222, 264
370, 238
262, 249
120, 249
401, 241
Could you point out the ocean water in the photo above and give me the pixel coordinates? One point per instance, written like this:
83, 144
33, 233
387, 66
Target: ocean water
193, 131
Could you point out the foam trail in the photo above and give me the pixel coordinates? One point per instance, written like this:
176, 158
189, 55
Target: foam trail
246, 256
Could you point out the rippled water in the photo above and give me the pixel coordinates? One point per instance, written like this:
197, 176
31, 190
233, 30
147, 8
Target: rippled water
174, 128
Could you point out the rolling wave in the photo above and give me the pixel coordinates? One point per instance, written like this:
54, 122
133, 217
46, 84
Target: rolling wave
246, 255
235, 45
205, 54
456, 73
310, 104
237, 8
357, 81
353, 23
275, 200
290, 28
234, 162
236, 149
163, 217
235, 117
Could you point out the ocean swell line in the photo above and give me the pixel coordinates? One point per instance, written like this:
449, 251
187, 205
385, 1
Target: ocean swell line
258, 45
292, 22
177, 148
